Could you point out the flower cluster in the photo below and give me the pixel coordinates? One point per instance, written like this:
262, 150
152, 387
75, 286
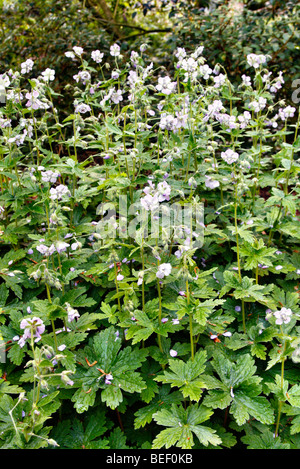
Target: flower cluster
155, 195
256, 60
59, 192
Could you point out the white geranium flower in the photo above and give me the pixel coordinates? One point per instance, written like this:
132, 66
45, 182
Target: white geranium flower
45, 250
61, 246
59, 192
211, 183
115, 50
283, 316
255, 60
82, 108
48, 75
97, 56
78, 50
27, 66
229, 156
165, 85
164, 270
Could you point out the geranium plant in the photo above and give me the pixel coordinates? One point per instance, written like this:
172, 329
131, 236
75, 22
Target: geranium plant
150, 268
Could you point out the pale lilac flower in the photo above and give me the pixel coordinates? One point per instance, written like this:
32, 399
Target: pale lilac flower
163, 191
59, 192
190, 66
219, 80
211, 183
283, 316
244, 119
50, 176
34, 326
287, 112
45, 250
18, 139
115, 75
84, 76
205, 71
173, 353
147, 70
214, 110
181, 249
97, 56
277, 84
72, 313
273, 122
246, 80
116, 96
173, 123
28, 125
255, 60
108, 378
166, 86
115, 50
61, 246
133, 79
198, 52
150, 202
48, 75
4, 81
229, 156
258, 105
34, 102
70, 55
180, 53
227, 120
164, 270
134, 58
4, 123
120, 277
78, 50
82, 108
27, 66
